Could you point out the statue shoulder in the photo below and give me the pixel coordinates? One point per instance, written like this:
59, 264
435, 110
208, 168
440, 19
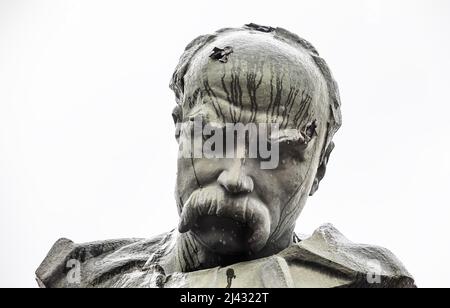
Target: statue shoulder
342, 263
68, 264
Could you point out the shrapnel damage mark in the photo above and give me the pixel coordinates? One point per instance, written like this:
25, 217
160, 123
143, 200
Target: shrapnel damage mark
221, 54
260, 28
230, 277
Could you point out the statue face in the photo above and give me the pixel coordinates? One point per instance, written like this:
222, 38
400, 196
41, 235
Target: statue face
230, 204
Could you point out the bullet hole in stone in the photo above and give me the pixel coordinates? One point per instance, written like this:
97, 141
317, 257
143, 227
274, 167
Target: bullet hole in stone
311, 130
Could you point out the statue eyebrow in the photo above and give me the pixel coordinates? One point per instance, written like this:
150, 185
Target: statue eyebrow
288, 135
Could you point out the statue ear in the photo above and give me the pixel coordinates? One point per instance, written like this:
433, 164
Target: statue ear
322, 168
177, 114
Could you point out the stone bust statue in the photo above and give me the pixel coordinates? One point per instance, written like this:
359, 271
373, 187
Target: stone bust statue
239, 200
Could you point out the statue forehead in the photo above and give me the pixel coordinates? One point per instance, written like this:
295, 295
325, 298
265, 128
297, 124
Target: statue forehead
264, 79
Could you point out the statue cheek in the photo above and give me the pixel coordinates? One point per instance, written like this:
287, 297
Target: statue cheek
187, 181
289, 178
293, 179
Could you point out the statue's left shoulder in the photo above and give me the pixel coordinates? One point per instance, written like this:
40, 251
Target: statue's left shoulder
358, 265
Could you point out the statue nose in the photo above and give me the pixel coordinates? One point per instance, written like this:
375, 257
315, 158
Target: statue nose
235, 180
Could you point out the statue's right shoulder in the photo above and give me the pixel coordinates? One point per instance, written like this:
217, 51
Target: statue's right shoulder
69, 264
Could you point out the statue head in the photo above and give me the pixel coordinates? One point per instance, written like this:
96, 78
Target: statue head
274, 86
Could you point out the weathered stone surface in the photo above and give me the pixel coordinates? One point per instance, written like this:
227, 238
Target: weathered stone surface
325, 259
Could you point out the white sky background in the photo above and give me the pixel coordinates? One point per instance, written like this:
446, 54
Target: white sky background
86, 137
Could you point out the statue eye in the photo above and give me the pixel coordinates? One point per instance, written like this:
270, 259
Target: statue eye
294, 148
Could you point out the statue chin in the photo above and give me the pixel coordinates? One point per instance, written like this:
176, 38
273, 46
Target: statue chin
222, 235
